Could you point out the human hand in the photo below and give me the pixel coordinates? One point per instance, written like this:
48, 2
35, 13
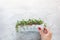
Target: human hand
45, 33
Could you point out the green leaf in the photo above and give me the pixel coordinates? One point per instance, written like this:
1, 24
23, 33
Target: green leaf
40, 22
45, 25
29, 22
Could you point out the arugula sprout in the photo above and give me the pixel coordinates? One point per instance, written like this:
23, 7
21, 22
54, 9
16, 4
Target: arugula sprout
34, 21
17, 24
45, 25
29, 22
40, 22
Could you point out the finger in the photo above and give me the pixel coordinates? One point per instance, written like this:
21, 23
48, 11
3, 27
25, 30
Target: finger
45, 30
48, 29
40, 31
39, 28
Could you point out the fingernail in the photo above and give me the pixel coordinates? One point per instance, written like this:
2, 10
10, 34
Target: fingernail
45, 30
39, 28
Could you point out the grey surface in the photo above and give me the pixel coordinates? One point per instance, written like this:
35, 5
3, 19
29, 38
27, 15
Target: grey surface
29, 32
29, 35
13, 10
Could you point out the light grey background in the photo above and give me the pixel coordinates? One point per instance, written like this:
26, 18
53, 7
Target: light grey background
13, 10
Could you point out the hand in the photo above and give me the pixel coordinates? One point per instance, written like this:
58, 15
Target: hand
45, 33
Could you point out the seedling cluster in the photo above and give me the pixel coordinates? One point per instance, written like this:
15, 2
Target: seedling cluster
29, 22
